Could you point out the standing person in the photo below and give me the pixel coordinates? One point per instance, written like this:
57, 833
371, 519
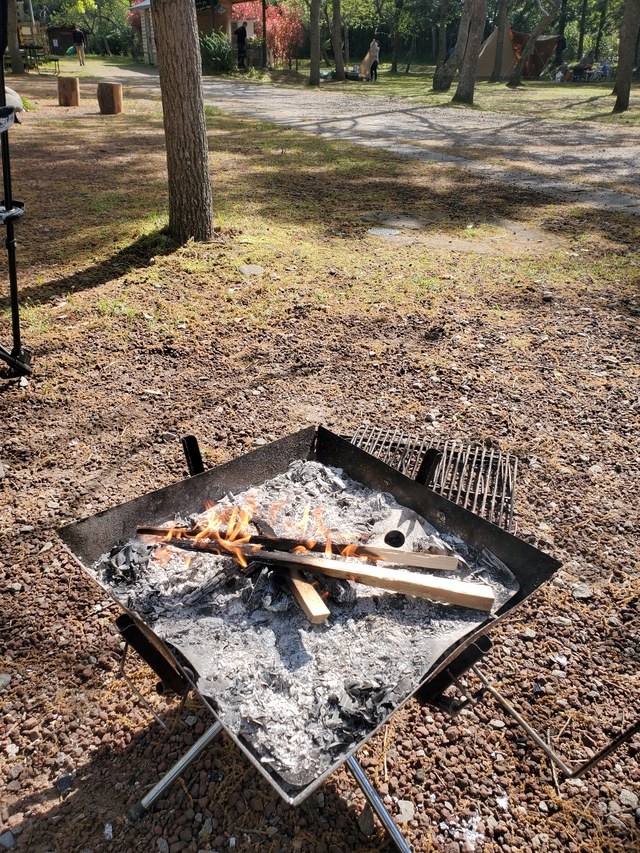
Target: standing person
241, 39
374, 50
80, 42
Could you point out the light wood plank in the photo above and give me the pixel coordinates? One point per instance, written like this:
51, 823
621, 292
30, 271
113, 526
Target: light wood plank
307, 597
477, 595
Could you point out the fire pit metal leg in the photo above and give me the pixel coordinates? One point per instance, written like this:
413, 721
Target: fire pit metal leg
146, 802
377, 805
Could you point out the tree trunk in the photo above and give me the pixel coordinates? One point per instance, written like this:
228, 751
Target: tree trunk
442, 36
179, 66
467, 83
628, 36
17, 66
604, 7
516, 75
336, 40
502, 32
68, 92
562, 20
395, 35
314, 40
347, 58
395, 47
107, 49
583, 19
443, 77
110, 98
411, 52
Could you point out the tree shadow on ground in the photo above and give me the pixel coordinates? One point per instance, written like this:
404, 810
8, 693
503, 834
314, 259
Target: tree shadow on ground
134, 256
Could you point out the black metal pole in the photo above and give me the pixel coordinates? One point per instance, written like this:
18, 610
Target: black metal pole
18, 358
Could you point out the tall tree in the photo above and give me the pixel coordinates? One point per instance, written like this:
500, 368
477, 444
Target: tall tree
583, 24
17, 66
466, 85
602, 18
179, 66
442, 35
500, 37
314, 42
626, 53
336, 39
443, 77
516, 75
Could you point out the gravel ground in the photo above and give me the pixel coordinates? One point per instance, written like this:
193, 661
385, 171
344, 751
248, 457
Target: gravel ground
608, 156
552, 377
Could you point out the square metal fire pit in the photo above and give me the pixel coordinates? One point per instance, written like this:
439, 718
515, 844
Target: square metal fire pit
89, 539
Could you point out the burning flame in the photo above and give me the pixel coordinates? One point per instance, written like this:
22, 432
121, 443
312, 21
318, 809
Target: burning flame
228, 529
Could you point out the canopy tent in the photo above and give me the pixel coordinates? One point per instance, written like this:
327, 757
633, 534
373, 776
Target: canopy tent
511, 53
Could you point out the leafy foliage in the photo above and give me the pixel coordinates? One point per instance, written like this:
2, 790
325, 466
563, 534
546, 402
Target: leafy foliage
217, 53
285, 31
104, 22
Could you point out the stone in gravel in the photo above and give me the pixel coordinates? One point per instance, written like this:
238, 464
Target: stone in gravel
247, 270
5, 680
547, 296
614, 821
168, 436
613, 622
406, 811
191, 720
7, 841
628, 799
64, 784
365, 820
582, 591
207, 828
529, 634
497, 724
320, 800
163, 845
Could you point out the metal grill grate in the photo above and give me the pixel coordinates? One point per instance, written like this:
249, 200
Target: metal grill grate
477, 477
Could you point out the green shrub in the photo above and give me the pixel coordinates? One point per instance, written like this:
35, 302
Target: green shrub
217, 53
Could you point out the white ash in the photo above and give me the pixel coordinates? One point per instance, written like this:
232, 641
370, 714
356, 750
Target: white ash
302, 696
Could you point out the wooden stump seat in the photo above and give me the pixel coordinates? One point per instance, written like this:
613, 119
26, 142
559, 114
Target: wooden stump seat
68, 91
110, 98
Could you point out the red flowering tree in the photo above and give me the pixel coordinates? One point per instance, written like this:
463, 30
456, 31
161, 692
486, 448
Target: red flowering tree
284, 26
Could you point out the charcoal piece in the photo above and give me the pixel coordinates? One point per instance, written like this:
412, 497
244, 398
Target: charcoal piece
342, 591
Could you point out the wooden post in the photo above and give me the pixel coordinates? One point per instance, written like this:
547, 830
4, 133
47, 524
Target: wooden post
110, 98
68, 91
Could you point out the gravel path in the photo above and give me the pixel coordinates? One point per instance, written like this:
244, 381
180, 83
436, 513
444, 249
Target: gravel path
591, 173
584, 162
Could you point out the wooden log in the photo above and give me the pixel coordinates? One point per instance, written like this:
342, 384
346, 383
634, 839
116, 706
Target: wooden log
477, 595
110, 98
307, 597
68, 91
417, 559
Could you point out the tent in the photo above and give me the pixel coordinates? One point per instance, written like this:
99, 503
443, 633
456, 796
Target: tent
511, 53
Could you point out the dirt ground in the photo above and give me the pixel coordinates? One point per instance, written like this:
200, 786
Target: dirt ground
486, 316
